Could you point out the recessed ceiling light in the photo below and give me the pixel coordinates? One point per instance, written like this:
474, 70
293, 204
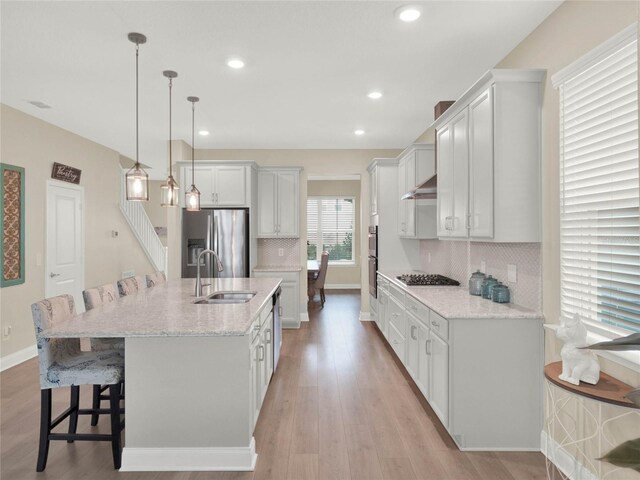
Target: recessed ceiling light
375, 95
408, 13
203, 133
235, 63
359, 132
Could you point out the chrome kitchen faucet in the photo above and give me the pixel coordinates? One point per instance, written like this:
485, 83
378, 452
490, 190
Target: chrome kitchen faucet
199, 279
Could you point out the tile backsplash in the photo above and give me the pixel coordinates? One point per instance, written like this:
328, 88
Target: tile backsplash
459, 259
269, 252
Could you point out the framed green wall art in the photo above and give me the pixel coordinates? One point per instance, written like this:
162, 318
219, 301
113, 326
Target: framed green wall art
12, 218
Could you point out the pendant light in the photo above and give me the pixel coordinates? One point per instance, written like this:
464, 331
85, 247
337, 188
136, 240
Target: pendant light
169, 191
136, 179
192, 197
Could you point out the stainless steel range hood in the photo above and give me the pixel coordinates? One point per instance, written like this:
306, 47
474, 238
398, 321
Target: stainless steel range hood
428, 190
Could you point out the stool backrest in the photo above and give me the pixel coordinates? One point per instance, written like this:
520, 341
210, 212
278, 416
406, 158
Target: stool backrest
46, 314
322, 272
156, 278
131, 285
94, 297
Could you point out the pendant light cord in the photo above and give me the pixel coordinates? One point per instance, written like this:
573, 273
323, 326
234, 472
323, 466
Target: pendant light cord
193, 141
137, 133
170, 137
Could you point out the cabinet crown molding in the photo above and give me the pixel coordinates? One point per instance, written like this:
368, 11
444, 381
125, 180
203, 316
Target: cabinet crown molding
382, 161
496, 75
202, 163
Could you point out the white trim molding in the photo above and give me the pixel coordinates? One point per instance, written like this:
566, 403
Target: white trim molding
366, 317
563, 460
210, 459
18, 357
319, 178
342, 286
304, 316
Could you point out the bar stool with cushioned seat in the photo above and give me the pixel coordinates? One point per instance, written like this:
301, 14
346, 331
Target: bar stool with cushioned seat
95, 297
131, 285
156, 278
63, 364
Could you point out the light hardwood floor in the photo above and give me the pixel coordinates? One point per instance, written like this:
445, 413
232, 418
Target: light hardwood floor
338, 407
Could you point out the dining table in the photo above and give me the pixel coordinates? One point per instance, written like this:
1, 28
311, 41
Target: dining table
313, 267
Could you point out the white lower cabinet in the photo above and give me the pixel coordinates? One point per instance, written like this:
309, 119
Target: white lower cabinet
261, 352
481, 376
289, 298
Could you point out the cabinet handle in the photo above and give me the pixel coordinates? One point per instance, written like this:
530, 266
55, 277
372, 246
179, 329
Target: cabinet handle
435, 324
396, 342
257, 327
413, 307
268, 340
261, 356
426, 347
213, 198
468, 221
394, 315
413, 329
280, 310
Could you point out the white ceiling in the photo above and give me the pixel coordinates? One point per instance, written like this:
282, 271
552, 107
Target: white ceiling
309, 68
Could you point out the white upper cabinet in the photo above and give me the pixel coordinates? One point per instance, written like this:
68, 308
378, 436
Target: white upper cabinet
488, 150
278, 202
373, 182
220, 185
416, 218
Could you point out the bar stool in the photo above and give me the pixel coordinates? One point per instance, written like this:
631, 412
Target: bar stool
63, 364
156, 278
95, 297
131, 285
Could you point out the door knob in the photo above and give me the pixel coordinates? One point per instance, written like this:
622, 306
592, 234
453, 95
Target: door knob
54, 275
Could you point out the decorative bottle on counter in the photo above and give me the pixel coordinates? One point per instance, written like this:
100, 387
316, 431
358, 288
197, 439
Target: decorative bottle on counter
485, 286
475, 283
500, 293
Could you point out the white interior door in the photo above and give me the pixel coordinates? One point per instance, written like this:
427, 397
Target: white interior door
65, 241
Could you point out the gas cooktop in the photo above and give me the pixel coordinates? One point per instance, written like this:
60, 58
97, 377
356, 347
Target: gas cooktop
420, 279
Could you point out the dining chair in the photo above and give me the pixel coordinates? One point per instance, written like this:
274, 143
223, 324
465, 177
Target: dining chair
63, 364
95, 297
156, 278
322, 275
131, 285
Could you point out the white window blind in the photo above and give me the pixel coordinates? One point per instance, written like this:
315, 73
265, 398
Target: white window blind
599, 177
330, 222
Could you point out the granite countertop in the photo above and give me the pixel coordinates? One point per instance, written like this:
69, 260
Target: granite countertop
278, 268
455, 302
167, 310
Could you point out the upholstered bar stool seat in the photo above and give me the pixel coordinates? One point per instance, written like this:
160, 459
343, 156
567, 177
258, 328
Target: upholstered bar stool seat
63, 364
156, 278
131, 285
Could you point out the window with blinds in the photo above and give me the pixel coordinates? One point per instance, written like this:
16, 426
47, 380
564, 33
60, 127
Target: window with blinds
330, 223
599, 179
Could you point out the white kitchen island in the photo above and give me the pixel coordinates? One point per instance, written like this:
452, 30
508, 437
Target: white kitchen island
196, 374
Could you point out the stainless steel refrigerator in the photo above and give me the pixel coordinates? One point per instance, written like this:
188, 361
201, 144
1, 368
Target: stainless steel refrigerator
224, 231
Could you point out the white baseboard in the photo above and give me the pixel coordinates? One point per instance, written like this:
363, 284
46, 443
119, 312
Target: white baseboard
18, 357
304, 317
214, 459
365, 317
563, 460
290, 324
342, 286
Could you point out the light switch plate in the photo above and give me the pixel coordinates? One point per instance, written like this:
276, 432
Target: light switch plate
483, 266
128, 273
512, 274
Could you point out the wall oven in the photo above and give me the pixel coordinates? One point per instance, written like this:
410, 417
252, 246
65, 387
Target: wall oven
373, 260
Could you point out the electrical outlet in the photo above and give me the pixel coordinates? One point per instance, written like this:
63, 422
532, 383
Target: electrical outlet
6, 331
128, 273
483, 266
512, 274
281, 252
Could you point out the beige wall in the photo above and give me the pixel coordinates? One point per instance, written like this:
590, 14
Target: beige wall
337, 274
35, 145
156, 213
314, 162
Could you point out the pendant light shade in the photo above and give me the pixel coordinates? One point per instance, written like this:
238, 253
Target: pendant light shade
192, 196
169, 191
136, 179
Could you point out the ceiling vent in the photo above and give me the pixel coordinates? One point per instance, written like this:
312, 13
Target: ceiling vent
39, 104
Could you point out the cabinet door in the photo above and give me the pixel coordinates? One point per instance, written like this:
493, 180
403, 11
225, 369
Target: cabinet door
255, 386
460, 164
268, 360
439, 382
262, 365
204, 181
288, 303
383, 300
230, 186
481, 165
267, 213
373, 179
402, 206
288, 204
410, 205
413, 346
424, 364
445, 180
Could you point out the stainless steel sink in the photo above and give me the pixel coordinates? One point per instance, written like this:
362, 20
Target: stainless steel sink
226, 297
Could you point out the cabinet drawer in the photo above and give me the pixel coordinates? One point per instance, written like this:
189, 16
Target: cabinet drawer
397, 315
396, 340
439, 325
397, 293
255, 329
383, 282
417, 309
264, 314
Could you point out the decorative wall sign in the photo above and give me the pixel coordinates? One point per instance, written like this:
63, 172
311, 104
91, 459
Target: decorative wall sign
66, 173
12, 219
